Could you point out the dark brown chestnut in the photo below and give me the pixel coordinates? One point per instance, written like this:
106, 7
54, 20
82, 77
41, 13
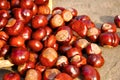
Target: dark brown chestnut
41, 2
117, 20
28, 4
4, 35
4, 4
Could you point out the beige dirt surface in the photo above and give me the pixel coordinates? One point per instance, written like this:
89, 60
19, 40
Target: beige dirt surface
99, 11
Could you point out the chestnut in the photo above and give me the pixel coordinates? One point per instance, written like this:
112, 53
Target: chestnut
39, 34
73, 71
48, 30
108, 27
73, 11
57, 10
44, 10
4, 14
79, 27
63, 34
4, 50
61, 62
95, 60
109, 39
73, 39
19, 55
81, 43
93, 48
4, 35
117, 20
11, 76
63, 76
40, 67
33, 74
67, 15
41, 2
28, 4
56, 21
48, 57
16, 41
88, 23
89, 73
35, 45
74, 51
83, 18
4, 4
78, 60
34, 9
3, 22
92, 34
33, 57
2, 43
50, 74
15, 3
64, 48
26, 33
39, 21
14, 27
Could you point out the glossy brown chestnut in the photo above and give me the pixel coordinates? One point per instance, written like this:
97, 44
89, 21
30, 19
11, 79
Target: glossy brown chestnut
108, 27
64, 34
48, 30
83, 18
73, 11
24, 15
4, 50
2, 43
4, 4
57, 10
90, 73
117, 20
56, 21
73, 71
4, 14
26, 33
92, 34
81, 43
93, 48
88, 24
80, 28
78, 60
40, 67
64, 48
11, 76
34, 9
48, 57
14, 27
4, 35
73, 39
28, 4
109, 39
95, 60
39, 34
33, 74
63, 76
44, 10
50, 74
3, 22
16, 41
61, 62
19, 55
74, 51
33, 57
67, 15
39, 21
35, 45
41, 2
15, 3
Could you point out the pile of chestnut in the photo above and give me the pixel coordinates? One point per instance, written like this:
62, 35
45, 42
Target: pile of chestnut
52, 45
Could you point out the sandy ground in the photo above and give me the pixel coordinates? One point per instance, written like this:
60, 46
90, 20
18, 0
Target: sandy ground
100, 11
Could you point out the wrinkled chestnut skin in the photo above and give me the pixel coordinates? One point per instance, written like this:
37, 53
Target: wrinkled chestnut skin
61, 62
33, 74
28, 4
78, 60
24, 15
63, 76
39, 21
48, 57
89, 73
4, 4
19, 55
39, 34
50, 74
26, 33
109, 39
63, 34
41, 2
72, 70
11, 76
117, 20
95, 60
14, 29
73, 51
79, 27
93, 48
35, 45
16, 41
108, 27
